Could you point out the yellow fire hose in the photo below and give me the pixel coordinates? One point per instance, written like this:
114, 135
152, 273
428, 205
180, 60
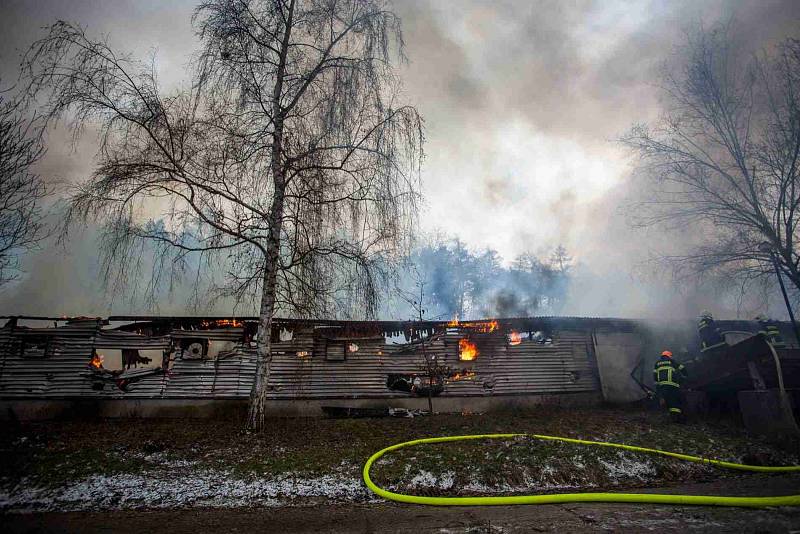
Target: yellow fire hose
785, 500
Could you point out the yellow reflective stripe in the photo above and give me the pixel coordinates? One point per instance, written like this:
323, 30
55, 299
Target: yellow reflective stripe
668, 383
675, 410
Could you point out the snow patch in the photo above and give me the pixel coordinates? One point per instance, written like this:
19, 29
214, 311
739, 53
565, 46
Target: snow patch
627, 466
528, 488
202, 488
426, 479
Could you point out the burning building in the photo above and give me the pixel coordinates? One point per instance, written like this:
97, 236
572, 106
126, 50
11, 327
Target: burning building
157, 365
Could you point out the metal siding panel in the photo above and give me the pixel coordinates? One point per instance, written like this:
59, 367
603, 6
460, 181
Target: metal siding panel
567, 365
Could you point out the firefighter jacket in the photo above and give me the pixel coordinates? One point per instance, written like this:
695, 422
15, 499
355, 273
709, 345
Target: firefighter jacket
710, 336
772, 333
668, 372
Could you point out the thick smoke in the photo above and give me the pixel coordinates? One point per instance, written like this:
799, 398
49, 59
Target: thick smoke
447, 280
522, 102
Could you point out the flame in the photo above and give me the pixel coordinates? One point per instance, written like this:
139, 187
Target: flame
303, 353
462, 375
97, 361
484, 327
467, 350
221, 323
487, 327
514, 338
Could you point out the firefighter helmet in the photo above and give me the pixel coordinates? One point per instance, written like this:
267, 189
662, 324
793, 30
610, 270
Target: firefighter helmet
667, 353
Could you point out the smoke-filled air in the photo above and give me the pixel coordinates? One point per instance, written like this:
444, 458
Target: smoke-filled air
544, 160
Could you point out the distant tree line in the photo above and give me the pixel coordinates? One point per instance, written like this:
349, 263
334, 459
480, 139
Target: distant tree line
464, 283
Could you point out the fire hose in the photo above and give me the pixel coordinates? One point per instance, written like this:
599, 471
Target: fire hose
557, 498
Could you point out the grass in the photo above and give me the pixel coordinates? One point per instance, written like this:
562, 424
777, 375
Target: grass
517, 464
53, 453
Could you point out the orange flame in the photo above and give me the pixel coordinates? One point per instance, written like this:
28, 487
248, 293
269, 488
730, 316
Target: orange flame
514, 338
221, 323
463, 375
467, 350
97, 361
484, 327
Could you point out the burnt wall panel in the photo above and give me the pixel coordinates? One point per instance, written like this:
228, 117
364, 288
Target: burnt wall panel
565, 365
298, 367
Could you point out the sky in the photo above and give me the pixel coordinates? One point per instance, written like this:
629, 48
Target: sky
522, 102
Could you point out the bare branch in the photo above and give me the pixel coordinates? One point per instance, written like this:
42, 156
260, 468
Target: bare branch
21, 190
723, 158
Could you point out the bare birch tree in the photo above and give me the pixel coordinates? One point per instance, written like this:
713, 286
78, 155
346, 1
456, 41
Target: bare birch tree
21, 190
724, 157
289, 155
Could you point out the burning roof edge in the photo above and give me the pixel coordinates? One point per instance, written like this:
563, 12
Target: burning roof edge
519, 323
534, 323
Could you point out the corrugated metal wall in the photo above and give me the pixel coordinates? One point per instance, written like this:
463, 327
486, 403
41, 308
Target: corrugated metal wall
299, 366
63, 370
565, 365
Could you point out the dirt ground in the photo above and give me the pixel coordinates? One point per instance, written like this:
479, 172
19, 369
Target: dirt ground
392, 517
304, 475
57, 452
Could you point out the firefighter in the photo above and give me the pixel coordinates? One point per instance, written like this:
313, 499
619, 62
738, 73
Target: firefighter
668, 375
770, 331
710, 336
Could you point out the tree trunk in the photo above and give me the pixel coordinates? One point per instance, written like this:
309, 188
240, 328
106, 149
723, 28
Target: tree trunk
791, 273
258, 398
430, 394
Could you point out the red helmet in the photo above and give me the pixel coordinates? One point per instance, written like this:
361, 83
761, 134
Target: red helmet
667, 353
